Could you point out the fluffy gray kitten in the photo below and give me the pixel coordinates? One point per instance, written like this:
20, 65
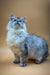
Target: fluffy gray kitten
24, 45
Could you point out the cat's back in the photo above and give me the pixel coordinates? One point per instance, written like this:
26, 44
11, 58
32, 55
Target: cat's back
34, 40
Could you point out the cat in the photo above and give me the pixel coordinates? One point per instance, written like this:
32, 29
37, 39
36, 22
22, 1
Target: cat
24, 45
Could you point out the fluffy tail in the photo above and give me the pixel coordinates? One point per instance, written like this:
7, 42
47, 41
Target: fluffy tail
46, 53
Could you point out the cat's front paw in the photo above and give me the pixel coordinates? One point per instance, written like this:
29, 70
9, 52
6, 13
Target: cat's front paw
22, 64
15, 61
38, 62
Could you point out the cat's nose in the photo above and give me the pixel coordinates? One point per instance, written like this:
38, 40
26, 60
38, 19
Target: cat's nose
17, 22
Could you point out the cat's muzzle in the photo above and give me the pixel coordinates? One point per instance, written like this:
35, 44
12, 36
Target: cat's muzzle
17, 24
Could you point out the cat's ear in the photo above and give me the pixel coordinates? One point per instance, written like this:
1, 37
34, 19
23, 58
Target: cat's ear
23, 19
12, 17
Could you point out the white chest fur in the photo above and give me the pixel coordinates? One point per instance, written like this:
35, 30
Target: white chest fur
15, 37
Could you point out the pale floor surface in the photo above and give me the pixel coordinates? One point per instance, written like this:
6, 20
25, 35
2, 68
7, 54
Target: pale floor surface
7, 67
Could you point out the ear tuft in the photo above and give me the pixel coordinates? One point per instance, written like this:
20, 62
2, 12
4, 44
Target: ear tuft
12, 17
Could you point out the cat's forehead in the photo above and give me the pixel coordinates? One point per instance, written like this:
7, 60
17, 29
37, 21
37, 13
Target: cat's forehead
17, 18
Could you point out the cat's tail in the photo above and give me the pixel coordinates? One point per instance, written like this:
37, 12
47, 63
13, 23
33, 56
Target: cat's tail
46, 53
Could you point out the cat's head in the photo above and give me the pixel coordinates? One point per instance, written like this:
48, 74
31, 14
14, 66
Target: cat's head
16, 23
